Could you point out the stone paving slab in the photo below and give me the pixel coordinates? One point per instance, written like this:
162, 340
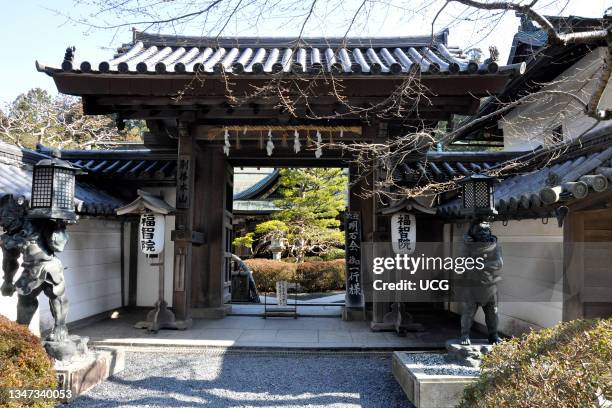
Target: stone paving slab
276, 333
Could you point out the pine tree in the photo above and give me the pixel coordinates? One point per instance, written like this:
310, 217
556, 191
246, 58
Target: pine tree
307, 220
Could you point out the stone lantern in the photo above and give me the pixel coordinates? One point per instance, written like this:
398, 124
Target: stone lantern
277, 245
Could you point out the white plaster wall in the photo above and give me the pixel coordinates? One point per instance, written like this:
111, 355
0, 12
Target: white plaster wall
530, 125
147, 286
526, 268
92, 261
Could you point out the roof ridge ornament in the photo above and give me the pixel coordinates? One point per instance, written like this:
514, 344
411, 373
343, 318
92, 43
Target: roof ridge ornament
68, 58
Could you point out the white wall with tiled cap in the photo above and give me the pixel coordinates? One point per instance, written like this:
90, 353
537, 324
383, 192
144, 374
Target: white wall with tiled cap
92, 259
8, 305
92, 262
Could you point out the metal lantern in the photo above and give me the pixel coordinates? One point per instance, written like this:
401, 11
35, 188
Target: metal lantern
53, 189
478, 195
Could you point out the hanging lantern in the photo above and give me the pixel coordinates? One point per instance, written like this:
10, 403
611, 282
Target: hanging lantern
152, 227
53, 184
403, 233
478, 195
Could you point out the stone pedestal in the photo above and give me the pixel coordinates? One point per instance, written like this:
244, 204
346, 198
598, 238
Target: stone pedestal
350, 314
429, 380
470, 355
83, 372
397, 320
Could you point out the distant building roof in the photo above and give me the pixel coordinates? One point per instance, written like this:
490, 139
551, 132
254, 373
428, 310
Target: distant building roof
544, 64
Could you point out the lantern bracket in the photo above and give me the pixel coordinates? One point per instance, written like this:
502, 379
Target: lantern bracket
187, 236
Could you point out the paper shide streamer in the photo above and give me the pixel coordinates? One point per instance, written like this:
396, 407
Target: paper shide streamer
227, 144
270, 144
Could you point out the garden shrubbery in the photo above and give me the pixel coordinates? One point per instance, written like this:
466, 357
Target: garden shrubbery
321, 276
267, 272
569, 365
313, 276
24, 364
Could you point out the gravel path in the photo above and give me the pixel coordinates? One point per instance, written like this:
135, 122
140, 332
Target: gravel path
241, 379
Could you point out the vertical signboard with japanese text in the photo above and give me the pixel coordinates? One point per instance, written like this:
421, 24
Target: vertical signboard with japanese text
354, 289
183, 190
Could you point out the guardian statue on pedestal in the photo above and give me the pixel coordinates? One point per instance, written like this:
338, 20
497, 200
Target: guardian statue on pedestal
479, 287
37, 241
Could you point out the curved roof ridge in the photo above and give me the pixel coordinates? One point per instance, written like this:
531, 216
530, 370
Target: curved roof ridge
159, 39
259, 187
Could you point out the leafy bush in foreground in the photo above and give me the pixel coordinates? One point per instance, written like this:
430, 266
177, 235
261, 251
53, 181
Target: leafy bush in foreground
24, 364
568, 365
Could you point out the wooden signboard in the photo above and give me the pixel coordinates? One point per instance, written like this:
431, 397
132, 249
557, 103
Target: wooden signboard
354, 288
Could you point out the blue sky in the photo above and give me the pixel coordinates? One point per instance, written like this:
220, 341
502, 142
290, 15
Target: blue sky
32, 30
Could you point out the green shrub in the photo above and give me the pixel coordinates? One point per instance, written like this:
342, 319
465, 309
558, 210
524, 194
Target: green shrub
568, 365
24, 364
321, 276
335, 253
267, 272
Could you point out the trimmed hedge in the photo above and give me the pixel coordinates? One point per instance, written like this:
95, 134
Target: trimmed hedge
267, 272
24, 364
568, 365
322, 276
313, 276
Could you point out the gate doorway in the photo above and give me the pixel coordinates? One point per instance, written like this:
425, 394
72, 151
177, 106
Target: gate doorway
288, 227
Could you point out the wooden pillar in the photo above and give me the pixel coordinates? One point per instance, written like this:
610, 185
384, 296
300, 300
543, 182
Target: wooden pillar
213, 215
183, 235
362, 201
573, 266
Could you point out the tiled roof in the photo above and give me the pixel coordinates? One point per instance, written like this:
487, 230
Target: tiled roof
165, 54
578, 173
128, 164
260, 187
446, 166
16, 179
544, 63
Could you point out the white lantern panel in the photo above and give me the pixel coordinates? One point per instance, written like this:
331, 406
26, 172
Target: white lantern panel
151, 233
403, 233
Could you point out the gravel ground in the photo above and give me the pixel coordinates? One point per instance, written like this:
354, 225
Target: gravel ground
241, 379
437, 364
